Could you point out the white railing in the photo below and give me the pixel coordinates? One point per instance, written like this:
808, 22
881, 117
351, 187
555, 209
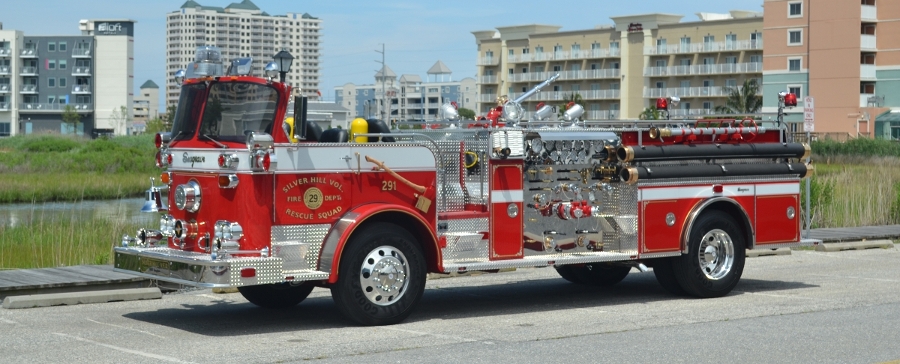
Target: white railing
53, 106
487, 79
690, 112
28, 71
488, 61
869, 12
28, 89
81, 89
864, 99
867, 41
81, 71
562, 95
705, 69
563, 55
867, 71
4, 106
5, 52
565, 75
4, 70
711, 91
487, 98
705, 47
81, 52
4, 88
28, 53
601, 115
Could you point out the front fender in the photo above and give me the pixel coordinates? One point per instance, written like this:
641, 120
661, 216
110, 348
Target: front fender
337, 238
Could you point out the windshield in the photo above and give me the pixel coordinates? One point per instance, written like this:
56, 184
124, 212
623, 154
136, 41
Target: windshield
234, 109
188, 111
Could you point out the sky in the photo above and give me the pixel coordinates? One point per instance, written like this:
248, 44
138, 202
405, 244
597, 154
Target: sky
415, 34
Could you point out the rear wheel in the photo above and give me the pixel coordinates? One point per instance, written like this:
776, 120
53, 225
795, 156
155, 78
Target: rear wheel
715, 259
381, 275
595, 274
281, 295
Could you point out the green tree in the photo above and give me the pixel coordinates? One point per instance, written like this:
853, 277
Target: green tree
741, 100
650, 113
170, 116
155, 125
70, 117
466, 114
569, 98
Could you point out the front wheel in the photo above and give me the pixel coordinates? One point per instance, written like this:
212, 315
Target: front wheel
280, 295
381, 275
715, 259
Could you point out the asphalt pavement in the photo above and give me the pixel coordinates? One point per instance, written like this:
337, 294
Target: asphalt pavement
809, 306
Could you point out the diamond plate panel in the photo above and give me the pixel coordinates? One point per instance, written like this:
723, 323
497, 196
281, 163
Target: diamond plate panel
465, 240
298, 246
268, 271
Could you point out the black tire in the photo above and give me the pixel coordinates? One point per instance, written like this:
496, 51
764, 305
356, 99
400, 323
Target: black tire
665, 275
716, 271
380, 246
594, 274
569, 273
280, 295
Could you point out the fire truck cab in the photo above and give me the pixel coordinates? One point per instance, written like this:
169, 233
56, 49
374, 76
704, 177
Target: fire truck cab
262, 200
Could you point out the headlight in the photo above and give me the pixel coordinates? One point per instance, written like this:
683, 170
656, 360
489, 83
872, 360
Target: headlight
187, 197
228, 234
167, 225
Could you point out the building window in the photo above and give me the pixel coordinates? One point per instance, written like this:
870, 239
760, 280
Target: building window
686, 61
661, 45
511, 71
524, 50
707, 105
51, 99
730, 82
795, 37
796, 90
51, 47
795, 9
614, 47
662, 62
51, 64
62, 63
538, 49
512, 52
51, 82
524, 69
685, 44
62, 82
557, 68
660, 84
794, 64
62, 47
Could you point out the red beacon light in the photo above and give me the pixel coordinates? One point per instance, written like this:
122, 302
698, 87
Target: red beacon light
662, 103
790, 100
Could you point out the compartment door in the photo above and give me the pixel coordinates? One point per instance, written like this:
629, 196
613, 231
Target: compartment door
506, 210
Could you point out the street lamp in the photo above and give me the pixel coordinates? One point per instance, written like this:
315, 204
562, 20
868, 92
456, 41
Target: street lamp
284, 61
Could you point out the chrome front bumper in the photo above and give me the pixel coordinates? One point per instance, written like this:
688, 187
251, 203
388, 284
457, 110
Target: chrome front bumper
199, 270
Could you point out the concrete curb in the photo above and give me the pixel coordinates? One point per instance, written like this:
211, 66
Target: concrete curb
75, 298
755, 253
855, 245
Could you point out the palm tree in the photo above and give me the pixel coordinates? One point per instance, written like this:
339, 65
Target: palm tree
650, 113
742, 100
567, 99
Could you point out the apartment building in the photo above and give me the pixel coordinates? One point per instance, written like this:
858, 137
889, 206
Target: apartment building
145, 106
91, 73
619, 69
409, 97
843, 55
244, 30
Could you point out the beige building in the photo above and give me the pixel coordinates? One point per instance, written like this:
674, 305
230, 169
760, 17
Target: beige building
620, 69
845, 54
242, 29
146, 106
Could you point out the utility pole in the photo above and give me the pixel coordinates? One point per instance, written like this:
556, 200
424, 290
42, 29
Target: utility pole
383, 89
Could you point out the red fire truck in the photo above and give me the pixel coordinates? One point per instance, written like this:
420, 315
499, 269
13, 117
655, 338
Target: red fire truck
263, 200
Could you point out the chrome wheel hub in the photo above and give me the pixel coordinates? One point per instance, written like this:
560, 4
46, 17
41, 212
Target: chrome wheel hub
716, 254
383, 275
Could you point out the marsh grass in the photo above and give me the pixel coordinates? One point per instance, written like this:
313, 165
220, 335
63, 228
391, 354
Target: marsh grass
39, 168
855, 190
57, 240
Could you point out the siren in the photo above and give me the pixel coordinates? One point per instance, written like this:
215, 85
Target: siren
790, 100
662, 103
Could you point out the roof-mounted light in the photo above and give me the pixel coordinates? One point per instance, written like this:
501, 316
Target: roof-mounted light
271, 70
240, 67
179, 77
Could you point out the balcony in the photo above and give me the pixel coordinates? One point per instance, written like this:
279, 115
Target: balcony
869, 13
562, 95
867, 100
867, 72
867, 41
81, 89
28, 71
4, 88
559, 56
28, 89
5, 70
4, 106
690, 112
53, 107
704, 69
487, 98
488, 61
81, 71
601, 115
712, 91
5, 52
81, 53
28, 53
705, 47
487, 79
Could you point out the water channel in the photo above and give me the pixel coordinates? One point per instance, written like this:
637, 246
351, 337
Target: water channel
126, 210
